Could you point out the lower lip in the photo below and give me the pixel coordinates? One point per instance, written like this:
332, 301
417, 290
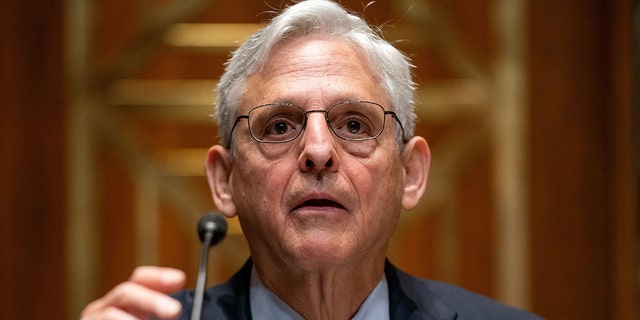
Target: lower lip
319, 212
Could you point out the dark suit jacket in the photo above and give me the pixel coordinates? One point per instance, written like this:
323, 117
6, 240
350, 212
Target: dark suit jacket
409, 298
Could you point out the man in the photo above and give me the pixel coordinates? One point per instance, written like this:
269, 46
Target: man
317, 160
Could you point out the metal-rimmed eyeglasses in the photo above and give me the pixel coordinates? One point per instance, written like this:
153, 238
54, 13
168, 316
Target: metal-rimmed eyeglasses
351, 120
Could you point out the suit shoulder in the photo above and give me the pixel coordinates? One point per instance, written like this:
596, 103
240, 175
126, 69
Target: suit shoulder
466, 304
470, 305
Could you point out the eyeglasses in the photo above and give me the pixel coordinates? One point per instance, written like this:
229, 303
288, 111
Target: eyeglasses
348, 120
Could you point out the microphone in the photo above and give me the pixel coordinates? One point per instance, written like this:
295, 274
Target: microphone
212, 228
212, 223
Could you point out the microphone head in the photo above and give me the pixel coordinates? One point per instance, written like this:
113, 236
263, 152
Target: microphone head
214, 223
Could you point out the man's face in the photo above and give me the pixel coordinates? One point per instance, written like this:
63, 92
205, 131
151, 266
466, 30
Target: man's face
318, 200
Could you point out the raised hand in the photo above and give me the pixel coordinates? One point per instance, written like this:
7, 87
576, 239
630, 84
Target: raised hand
144, 295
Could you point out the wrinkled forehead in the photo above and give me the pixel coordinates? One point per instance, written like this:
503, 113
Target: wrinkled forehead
317, 69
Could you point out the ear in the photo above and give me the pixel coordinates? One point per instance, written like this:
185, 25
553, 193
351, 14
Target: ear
218, 168
416, 159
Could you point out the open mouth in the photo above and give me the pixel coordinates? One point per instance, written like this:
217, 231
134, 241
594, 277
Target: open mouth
320, 203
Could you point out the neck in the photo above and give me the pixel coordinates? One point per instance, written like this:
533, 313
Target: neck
325, 293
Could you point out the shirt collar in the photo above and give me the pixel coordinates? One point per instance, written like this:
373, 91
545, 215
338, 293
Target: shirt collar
267, 305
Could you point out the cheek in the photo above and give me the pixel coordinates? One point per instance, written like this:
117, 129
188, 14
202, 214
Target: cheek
380, 187
260, 183
379, 190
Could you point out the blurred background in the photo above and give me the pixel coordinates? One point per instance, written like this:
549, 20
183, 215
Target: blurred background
529, 108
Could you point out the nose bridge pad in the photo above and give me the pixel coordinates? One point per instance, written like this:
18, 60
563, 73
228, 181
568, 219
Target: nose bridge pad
325, 118
325, 115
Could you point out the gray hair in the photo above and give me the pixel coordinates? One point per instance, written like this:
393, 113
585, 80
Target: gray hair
389, 65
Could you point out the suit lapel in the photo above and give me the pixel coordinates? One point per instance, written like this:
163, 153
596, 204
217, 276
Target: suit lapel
234, 303
408, 299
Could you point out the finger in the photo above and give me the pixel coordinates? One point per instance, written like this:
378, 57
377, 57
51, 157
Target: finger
160, 279
139, 301
109, 313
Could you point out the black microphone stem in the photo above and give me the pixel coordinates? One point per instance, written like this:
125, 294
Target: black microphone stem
211, 229
202, 276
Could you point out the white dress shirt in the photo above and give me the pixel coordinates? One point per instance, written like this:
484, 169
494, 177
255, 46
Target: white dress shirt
265, 305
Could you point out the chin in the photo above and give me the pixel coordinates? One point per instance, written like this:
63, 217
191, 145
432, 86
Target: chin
323, 254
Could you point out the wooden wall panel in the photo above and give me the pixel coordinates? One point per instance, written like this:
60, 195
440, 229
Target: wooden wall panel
583, 174
575, 102
116, 225
32, 161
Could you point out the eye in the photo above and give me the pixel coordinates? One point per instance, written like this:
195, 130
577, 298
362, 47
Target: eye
275, 123
353, 126
278, 127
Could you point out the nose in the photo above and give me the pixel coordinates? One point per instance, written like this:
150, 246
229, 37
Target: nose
318, 145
